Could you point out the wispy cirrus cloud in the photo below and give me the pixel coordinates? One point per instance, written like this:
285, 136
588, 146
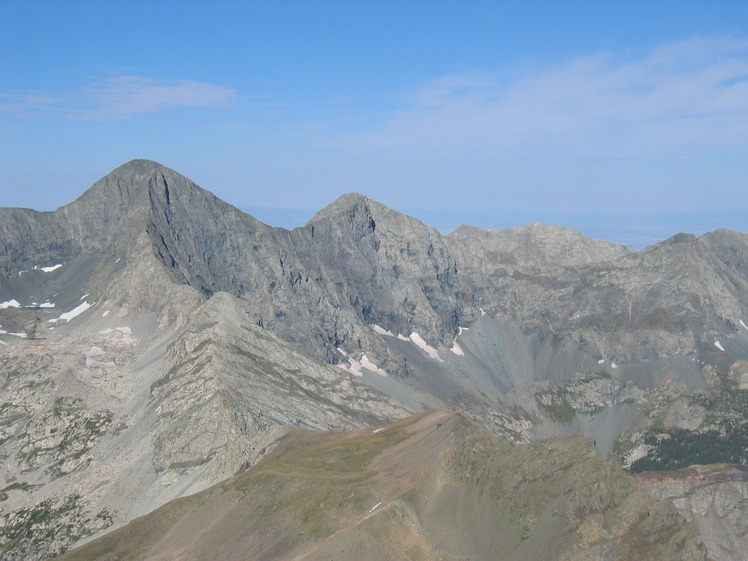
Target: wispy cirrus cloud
117, 97
692, 93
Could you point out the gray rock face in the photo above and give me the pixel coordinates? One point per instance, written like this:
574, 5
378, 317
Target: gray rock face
536, 246
715, 498
153, 337
231, 380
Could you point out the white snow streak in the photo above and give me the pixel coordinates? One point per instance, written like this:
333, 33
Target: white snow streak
369, 365
374, 507
743, 324
52, 268
74, 313
375, 431
719, 346
21, 335
47, 304
105, 314
9, 304
425, 347
354, 366
456, 348
381, 330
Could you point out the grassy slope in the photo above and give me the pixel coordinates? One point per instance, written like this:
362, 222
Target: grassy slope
446, 489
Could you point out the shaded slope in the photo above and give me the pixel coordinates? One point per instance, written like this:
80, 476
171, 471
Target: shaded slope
434, 486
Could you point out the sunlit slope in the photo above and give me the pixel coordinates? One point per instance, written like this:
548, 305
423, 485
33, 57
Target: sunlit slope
434, 486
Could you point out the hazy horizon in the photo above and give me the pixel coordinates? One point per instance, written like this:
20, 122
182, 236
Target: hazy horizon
490, 109
636, 230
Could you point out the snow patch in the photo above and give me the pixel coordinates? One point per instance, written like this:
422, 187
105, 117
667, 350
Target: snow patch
461, 329
21, 335
425, 347
403, 337
72, 314
613, 365
456, 349
105, 314
719, 346
743, 324
369, 365
375, 507
3, 343
9, 304
375, 431
354, 367
482, 313
601, 361
50, 269
381, 330
84, 296
3, 332
47, 304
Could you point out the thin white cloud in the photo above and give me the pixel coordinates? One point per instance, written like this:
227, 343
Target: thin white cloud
691, 94
118, 97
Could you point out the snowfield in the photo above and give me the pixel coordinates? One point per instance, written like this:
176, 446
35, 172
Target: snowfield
72, 314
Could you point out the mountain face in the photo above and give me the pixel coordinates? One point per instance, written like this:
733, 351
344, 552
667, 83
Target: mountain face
155, 340
435, 486
716, 496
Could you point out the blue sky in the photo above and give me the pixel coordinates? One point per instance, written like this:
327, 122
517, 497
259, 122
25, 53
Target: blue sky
627, 120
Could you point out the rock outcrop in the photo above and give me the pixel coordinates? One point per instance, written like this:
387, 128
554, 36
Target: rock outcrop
153, 339
715, 498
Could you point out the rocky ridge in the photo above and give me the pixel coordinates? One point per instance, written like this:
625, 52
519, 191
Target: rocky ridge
434, 486
151, 335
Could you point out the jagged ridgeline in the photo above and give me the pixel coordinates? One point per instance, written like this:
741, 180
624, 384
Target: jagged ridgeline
155, 341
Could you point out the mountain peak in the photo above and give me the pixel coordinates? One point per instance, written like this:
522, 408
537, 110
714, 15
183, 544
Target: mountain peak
538, 243
342, 205
137, 165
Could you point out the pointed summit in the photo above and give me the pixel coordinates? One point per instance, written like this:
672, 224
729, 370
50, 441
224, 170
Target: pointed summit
344, 204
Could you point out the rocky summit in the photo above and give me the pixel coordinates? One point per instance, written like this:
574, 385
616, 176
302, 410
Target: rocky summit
156, 342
